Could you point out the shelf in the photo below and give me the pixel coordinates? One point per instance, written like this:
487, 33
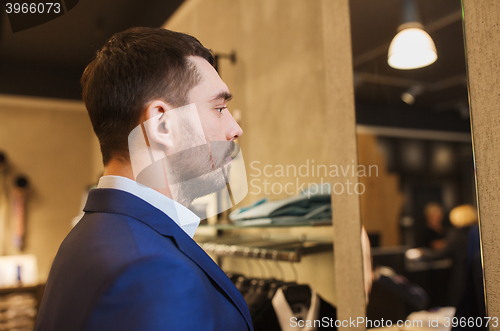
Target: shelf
16, 289
256, 224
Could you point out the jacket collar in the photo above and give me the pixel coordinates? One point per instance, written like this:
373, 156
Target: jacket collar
124, 203
182, 216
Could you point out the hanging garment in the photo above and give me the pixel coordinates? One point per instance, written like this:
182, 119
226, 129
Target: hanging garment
277, 314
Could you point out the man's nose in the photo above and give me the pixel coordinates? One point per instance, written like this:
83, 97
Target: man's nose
234, 131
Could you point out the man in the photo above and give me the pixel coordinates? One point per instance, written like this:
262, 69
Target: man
434, 232
130, 263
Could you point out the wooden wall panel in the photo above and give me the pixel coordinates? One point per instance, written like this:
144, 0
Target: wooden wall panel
482, 43
343, 151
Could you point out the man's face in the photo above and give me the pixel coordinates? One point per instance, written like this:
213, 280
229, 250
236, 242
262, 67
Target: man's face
189, 147
435, 217
211, 96
218, 129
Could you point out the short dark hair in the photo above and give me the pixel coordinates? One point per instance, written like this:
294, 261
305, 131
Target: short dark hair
133, 68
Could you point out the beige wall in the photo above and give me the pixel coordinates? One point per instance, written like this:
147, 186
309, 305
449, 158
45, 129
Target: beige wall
49, 141
382, 202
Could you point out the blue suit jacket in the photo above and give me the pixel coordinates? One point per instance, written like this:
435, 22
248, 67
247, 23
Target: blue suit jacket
128, 266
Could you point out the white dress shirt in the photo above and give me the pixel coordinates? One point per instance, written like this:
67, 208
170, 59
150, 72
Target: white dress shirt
182, 216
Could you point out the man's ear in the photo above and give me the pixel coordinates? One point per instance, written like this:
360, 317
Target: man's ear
158, 126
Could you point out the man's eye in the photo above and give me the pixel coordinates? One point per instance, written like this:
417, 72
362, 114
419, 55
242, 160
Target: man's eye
220, 109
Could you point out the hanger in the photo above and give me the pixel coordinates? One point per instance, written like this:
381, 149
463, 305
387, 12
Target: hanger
263, 254
233, 276
294, 270
296, 294
256, 253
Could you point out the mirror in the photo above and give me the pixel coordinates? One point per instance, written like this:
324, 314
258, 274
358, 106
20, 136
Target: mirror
413, 125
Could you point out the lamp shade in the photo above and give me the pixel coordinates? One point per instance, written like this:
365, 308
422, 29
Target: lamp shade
411, 48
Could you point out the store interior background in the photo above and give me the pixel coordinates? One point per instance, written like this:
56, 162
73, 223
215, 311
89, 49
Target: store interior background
423, 151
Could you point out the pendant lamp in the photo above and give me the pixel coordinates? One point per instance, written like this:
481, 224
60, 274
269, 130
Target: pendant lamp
412, 47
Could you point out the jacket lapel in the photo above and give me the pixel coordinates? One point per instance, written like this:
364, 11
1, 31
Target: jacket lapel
121, 202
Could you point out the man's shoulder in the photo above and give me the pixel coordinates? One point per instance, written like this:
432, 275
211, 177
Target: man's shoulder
101, 250
103, 245
114, 238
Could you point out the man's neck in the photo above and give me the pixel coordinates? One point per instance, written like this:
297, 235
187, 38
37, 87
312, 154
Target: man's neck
122, 169
118, 168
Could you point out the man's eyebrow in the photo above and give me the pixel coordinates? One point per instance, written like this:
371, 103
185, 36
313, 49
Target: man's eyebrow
223, 95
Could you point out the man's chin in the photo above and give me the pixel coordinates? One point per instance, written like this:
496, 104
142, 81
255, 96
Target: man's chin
186, 191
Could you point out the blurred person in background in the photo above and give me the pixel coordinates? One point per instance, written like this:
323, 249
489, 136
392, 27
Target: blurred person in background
473, 304
463, 218
434, 231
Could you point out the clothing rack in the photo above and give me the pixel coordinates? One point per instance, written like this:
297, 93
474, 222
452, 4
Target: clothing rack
291, 250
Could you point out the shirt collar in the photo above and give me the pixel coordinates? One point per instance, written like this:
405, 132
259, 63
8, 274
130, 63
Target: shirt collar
182, 216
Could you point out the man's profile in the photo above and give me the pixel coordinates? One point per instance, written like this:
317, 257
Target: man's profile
131, 262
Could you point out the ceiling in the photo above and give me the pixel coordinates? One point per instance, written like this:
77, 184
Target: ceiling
443, 103
48, 60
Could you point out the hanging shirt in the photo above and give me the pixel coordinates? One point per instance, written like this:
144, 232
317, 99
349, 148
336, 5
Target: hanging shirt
277, 315
288, 318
